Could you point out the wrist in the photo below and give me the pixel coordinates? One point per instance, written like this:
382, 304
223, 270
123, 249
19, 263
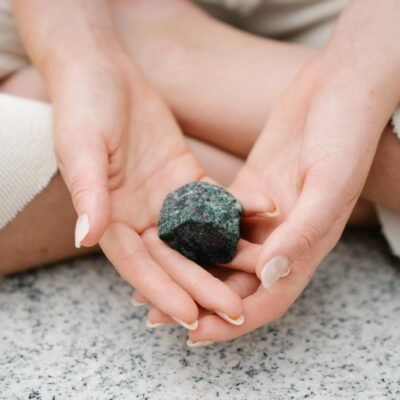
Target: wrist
368, 102
364, 39
372, 74
53, 44
92, 49
95, 65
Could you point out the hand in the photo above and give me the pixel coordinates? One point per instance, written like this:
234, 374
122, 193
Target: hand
142, 158
313, 158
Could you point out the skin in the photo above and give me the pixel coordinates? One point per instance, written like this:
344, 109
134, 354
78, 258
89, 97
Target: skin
219, 122
212, 329
115, 153
185, 42
313, 157
142, 42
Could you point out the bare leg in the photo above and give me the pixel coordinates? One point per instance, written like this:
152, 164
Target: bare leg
222, 83
43, 232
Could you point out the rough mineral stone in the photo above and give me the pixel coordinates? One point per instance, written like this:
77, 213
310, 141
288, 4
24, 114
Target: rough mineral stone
202, 222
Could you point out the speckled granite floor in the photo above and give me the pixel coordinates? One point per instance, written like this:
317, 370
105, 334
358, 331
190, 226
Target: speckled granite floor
69, 331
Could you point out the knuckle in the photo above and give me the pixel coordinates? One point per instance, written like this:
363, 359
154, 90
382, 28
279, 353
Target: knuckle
306, 237
81, 188
78, 190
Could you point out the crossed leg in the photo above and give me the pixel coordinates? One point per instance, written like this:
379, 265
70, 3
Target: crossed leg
210, 74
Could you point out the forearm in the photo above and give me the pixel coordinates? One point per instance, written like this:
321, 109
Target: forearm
57, 34
366, 27
365, 40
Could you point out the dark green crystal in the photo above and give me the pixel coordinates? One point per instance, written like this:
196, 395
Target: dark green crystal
202, 222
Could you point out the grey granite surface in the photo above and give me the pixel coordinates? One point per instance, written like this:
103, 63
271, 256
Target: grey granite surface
69, 332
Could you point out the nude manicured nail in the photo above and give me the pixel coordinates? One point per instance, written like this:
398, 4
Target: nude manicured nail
237, 321
273, 270
192, 326
81, 229
136, 303
152, 325
269, 214
199, 344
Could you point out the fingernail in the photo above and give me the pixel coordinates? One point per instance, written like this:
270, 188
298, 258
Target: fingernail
237, 321
199, 344
152, 325
136, 303
274, 269
192, 327
270, 214
81, 229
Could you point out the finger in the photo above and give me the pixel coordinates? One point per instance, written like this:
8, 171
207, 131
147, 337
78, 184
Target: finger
254, 204
316, 210
261, 307
264, 306
246, 257
156, 318
242, 283
83, 161
126, 250
211, 328
255, 230
205, 289
138, 299
257, 202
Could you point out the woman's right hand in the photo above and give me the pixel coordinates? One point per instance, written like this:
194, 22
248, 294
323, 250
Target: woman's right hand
120, 152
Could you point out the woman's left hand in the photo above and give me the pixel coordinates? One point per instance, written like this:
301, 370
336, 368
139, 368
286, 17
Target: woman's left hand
313, 158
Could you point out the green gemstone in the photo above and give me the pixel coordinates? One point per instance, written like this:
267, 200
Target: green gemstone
202, 222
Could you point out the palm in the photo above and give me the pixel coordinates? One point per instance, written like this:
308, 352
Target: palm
156, 163
153, 160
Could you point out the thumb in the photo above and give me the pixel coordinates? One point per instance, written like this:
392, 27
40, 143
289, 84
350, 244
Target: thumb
315, 212
254, 204
83, 162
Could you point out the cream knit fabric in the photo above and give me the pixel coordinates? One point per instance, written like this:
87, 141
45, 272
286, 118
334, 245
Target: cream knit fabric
27, 160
